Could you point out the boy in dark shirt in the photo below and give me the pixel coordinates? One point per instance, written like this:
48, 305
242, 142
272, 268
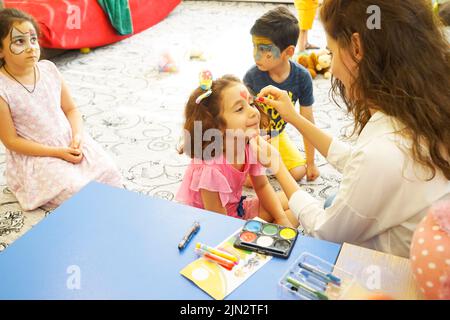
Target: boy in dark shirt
274, 37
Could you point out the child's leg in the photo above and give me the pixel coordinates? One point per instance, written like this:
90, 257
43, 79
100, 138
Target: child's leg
253, 208
298, 172
302, 40
306, 13
285, 203
291, 156
265, 215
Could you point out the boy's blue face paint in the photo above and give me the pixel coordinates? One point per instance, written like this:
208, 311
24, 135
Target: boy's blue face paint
269, 50
264, 48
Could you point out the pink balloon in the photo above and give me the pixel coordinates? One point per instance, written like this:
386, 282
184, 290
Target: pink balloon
430, 253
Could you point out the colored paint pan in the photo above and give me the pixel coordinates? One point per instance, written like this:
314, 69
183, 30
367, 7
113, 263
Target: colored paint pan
253, 226
270, 229
288, 233
264, 241
282, 244
248, 236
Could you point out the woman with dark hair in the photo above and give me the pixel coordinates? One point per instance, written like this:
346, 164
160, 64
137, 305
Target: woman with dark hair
395, 81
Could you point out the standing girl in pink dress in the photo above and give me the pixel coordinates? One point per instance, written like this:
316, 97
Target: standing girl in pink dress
220, 119
48, 156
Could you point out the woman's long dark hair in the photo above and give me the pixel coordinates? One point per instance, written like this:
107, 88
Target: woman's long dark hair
404, 71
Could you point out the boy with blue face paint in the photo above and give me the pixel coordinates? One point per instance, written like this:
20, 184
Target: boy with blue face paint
274, 37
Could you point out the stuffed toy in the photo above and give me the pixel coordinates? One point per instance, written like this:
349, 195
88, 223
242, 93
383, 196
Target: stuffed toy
324, 63
309, 62
317, 63
167, 63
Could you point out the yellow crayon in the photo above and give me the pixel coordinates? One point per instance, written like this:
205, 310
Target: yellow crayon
219, 253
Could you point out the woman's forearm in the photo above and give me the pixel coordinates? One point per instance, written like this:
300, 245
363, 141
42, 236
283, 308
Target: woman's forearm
287, 182
317, 137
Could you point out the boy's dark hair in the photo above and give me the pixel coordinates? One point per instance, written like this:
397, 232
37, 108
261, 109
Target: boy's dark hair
279, 25
444, 13
8, 17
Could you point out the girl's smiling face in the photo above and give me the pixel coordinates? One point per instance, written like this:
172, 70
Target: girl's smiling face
21, 47
238, 111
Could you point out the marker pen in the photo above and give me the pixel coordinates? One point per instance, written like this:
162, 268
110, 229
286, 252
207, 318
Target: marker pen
218, 252
212, 257
188, 236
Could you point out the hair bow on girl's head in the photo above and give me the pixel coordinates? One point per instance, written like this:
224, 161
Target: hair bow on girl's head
205, 78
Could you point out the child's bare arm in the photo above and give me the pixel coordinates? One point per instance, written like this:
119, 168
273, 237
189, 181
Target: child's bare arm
269, 199
312, 171
73, 115
15, 143
211, 201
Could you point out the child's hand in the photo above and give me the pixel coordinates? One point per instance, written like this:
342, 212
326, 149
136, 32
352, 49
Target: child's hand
70, 155
76, 142
281, 102
284, 221
266, 154
312, 172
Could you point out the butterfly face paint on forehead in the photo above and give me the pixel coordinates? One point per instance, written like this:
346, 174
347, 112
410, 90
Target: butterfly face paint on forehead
246, 96
264, 46
22, 41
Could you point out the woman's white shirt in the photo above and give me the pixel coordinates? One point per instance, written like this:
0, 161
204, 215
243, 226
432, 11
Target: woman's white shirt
383, 194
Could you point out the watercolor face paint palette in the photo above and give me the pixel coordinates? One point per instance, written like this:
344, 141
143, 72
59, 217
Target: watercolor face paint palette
267, 238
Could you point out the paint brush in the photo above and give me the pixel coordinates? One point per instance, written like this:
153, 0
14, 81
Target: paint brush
319, 295
326, 276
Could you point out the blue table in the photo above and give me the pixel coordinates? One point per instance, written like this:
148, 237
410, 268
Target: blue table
116, 244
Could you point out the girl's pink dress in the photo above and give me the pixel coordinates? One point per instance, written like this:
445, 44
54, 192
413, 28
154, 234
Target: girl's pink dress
38, 116
219, 176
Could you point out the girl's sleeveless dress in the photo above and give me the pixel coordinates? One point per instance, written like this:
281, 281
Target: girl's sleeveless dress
47, 181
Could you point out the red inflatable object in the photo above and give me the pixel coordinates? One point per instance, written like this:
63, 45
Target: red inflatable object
74, 24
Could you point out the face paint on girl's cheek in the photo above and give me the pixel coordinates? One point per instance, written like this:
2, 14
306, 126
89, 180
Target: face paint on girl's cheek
23, 41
